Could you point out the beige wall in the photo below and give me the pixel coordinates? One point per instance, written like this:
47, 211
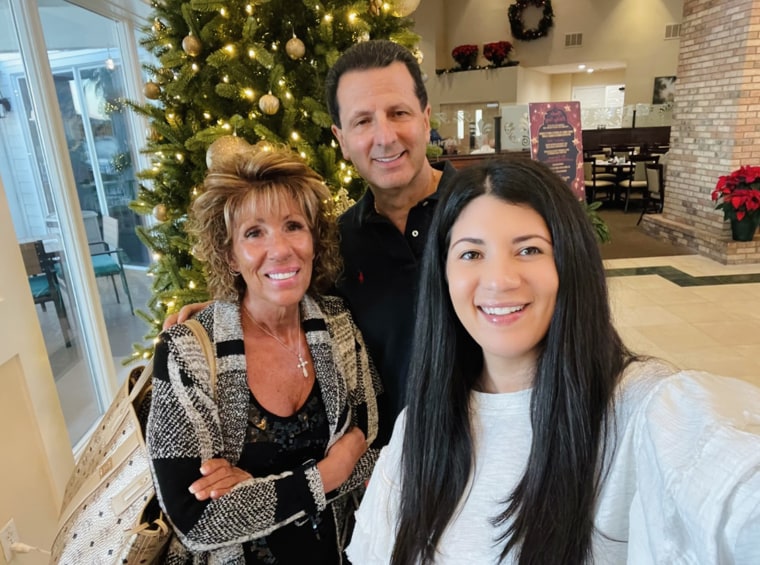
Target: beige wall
35, 447
629, 31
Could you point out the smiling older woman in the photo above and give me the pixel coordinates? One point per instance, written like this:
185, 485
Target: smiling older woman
256, 471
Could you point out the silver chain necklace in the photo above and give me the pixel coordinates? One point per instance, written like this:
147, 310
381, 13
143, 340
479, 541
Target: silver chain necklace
302, 363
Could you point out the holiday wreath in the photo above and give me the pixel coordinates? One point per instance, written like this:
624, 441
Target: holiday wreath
516, 19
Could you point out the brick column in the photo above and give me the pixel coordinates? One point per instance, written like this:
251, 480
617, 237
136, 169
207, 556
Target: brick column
716, 125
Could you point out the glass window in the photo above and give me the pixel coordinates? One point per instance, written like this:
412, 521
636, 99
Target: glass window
89, 88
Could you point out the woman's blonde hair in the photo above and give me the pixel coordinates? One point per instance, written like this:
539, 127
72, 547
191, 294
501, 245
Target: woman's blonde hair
261, 174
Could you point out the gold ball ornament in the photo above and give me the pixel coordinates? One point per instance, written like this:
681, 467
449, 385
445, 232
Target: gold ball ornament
269, 104
192, 45
295, 48
402, 8
153, 135
159, 212
151, 90
223, 149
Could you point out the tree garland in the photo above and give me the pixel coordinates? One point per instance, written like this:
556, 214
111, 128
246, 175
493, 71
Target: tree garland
517, 25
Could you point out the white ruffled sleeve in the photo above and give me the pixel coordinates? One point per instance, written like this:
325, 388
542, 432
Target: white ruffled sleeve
375, 530
698, 473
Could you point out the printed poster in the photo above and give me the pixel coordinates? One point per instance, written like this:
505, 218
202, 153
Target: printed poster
556, 139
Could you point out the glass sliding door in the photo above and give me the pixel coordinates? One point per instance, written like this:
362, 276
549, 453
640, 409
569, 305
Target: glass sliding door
66, 163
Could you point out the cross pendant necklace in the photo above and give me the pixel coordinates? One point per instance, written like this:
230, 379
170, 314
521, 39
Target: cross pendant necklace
302, 363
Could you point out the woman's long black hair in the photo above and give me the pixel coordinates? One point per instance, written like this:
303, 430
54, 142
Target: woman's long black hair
549, 516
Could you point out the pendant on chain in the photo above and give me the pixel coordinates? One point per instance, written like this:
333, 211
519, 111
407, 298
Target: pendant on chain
302, 363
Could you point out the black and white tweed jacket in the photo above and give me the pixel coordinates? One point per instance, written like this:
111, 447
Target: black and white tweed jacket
189, 424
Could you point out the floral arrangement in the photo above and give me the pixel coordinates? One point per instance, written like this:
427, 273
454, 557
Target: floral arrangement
738, 194
465, 55
497, 52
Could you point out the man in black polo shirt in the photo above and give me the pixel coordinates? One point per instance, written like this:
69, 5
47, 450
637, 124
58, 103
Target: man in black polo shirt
381, 118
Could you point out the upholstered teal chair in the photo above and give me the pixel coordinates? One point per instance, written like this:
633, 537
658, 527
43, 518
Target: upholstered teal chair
44, 284
106, 258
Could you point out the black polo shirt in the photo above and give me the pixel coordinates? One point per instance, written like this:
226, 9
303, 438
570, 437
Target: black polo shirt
379, 282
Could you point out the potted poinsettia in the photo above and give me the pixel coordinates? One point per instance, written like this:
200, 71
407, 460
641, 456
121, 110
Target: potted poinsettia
497, 52
465, 55
738, 195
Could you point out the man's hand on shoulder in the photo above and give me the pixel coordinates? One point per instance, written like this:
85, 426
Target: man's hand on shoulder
184, 314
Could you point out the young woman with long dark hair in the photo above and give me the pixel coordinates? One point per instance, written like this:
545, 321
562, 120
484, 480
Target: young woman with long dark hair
532, 435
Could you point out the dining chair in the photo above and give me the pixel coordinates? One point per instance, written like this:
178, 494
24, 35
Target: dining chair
637, 182
602, 173
106, 258
654, 197
594, 184
44, 284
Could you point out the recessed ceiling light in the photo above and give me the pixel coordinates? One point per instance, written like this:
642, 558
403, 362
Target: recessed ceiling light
581, 66
589, 70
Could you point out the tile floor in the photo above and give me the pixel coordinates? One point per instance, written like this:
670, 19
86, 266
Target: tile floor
698, 314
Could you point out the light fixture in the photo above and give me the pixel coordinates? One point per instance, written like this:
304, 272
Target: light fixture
589, 70
581, 66
110, 63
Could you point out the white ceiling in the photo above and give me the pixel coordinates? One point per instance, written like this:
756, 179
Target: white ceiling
573, 68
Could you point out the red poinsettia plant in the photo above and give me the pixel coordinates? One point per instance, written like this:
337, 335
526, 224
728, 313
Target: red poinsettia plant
467, 50
465, 54
497, 52
738, 194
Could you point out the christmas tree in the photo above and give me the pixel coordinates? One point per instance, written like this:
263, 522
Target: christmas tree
236, 70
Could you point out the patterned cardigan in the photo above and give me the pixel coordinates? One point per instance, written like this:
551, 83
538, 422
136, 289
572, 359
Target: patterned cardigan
190, 423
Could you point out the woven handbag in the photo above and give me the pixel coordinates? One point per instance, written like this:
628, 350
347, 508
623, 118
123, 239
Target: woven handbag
110, 513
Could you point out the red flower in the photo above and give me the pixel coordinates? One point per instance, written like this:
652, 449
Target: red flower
464, 51
738, 194
497, 51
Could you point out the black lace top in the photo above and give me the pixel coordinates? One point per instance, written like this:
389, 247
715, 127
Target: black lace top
273, 445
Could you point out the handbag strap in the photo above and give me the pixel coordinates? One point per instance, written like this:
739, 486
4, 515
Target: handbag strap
208, 349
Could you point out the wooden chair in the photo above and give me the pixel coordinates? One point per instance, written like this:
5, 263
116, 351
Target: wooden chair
594, 184
107, 260
637, 183
43, 282
654, 197
602, 173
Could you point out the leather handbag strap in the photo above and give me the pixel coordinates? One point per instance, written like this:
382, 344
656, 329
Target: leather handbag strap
208, 349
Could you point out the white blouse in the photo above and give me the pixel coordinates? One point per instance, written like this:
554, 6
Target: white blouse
683, 482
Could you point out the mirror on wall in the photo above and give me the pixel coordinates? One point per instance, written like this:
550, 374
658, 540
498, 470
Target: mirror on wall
466, 128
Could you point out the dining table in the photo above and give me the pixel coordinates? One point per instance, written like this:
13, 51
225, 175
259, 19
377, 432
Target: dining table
619, 168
